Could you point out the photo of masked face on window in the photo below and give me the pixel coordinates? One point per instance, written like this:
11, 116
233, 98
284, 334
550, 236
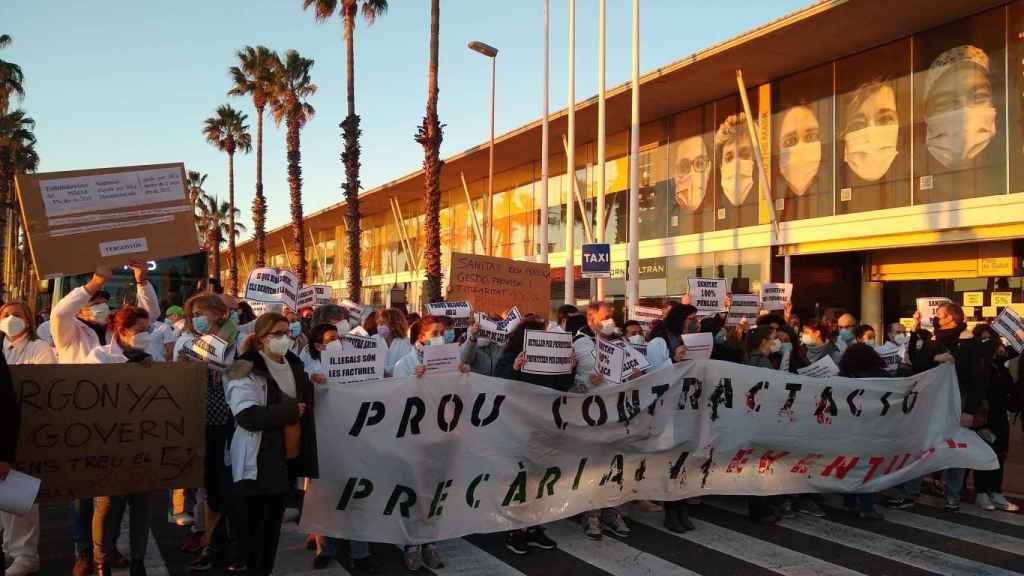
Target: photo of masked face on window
691, 169
799, 148
736, 203
690, 204
872, 132
959, 113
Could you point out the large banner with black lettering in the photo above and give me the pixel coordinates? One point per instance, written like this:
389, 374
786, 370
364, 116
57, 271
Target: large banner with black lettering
420, 460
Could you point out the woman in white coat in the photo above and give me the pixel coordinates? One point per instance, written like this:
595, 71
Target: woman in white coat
393, 328
22, 346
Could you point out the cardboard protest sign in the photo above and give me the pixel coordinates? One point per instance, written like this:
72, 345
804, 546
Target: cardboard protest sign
698, 345
439, 358
926, 308
825, 367
459, 312
776, 296
109, 429
547, 352
79, 220
610, 359
743, 307
354, 359
272, 286
210, 349
707, 295
496, 331
313, 296
1009, 325
492, 285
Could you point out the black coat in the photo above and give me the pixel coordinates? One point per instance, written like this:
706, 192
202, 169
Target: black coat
504, 369
10, 415
973, 364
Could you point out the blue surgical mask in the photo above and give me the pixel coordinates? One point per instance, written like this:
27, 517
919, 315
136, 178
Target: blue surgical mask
201, 324
720, 337
786, 348
234, 316
449, 336
693, 327
295, 328
846, 334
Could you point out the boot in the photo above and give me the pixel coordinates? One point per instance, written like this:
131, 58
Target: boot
672, 519
137, 568
682, 510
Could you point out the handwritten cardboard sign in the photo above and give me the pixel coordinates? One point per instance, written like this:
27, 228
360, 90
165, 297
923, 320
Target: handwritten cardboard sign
110, 429
776, 296
707, 295
492, 285
79, 220
272, 286
313, 295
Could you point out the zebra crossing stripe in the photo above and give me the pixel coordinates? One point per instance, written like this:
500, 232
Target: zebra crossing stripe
1014, 519
462, 558
890, 548
611, 555
758, 552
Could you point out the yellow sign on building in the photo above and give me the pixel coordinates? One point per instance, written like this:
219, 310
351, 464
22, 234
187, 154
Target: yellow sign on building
974, 298
1001, 298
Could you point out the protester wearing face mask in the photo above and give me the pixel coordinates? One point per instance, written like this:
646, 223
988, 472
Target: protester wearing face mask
960, 116
271, 399
562, 316
480, 353
598, 321
128, 342
897, 334
817, 343
393, 329
865, 334
633, 332
1002, 395
846, 327
871, 132
736, 173
861, 361
21, 533
79, 325
665, 346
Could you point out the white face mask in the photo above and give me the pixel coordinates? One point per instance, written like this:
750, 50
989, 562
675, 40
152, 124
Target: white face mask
636, 339
100, 312
691, 186
957, 136
12, 326
775, 346
279, 345
141, 340
799, 164
343, 327
808, 340
608, 327
900, 339
737, 180
869, 152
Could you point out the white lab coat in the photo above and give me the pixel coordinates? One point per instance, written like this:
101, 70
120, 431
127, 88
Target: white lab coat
584, 346
107, 354
399, 349
658, 354
407, 365
242, 393
74, 339
26, 351
44, 334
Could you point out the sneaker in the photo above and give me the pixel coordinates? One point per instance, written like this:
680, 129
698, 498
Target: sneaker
592, 526
23, 566
538, 539
785, 510
83, 565
516, 542
613, 523
183, 519
872, 515
809, 507
432, 557
413, 558
983, 501
899, 503
1001, 503
952, 504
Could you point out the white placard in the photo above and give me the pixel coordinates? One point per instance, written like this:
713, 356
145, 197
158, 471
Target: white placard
634, 360
547, 352
127, 246
698, 345
272, 286
645, 316
209, 348
441, 358
610, 360
18, 493
354, 359
459, 312
891, 354
77, 194
1009, 325
313, 296
926, 308
707, 295
496, 331
775, 296
743, 307
825, 367
512, 319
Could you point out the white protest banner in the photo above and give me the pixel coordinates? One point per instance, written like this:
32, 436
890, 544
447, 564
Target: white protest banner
496, 331
743, 307
775, 296
272, 286
439, 358
547, 352
825, 367
354, 359
610, 359
210, 349
698, 345
926, 307
707, 295
314, 295
459, 312
1010, 326
891, 354
418, 460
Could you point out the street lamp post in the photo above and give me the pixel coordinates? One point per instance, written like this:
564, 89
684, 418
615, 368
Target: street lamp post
492, 53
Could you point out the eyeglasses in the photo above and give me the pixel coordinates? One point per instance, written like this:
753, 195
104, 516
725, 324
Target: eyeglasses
698, 164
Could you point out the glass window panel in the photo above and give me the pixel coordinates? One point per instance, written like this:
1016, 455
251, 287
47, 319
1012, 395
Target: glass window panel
873, 129
802, 144
1016, 90
653, 166
960, 110
691, 201
521, 221
679, 268
736, 182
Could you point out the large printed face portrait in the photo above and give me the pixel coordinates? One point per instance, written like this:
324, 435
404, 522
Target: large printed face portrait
691, 168
799, 148
960, 115
872, 131
737, 159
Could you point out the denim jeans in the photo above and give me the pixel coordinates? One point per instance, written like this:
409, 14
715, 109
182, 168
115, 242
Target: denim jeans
81, 525
910, 489
954, 479
327, 546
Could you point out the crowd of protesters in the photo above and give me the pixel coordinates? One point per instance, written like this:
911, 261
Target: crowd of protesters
259, 408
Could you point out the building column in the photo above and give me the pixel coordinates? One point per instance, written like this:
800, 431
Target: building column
871, 307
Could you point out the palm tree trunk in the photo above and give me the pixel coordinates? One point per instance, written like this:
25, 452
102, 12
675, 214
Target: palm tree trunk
430, 136
295, 187
259, 203
217, 239
233, 254
350, 158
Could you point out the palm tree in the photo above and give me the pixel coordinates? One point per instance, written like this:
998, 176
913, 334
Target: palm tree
429, 136
350, 131
228, 132
11, 78
217, 220
289, 104
17, 154
255, 75
194, 181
